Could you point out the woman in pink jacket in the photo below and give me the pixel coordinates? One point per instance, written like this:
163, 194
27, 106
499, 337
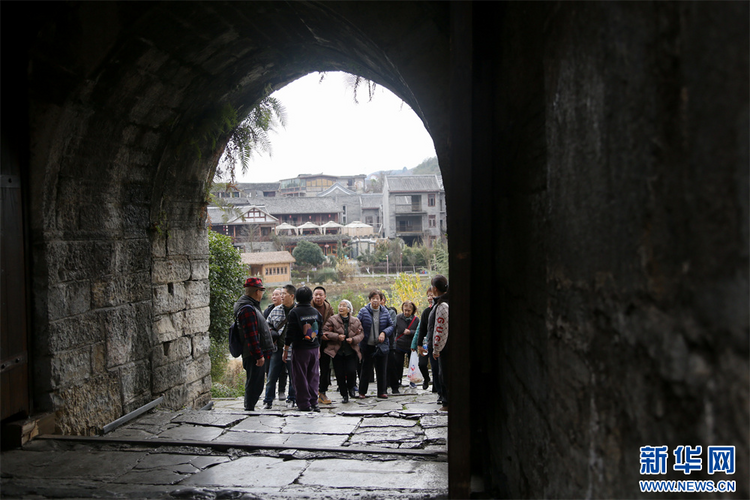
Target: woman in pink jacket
344, 333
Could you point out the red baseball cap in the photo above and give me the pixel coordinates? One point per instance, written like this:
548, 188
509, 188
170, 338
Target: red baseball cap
255, 283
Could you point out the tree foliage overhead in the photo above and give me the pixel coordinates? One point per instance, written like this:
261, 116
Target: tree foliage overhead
307, 252
225, 276
252, 137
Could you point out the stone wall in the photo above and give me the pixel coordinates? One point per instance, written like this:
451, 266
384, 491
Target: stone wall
621, 265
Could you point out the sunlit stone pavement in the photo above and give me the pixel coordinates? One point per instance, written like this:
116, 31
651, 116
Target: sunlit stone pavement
367, 448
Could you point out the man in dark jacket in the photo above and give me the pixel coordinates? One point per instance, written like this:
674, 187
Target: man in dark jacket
378, 329
304, 325
258, 342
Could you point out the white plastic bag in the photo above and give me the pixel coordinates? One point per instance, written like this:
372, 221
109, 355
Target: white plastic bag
415, 375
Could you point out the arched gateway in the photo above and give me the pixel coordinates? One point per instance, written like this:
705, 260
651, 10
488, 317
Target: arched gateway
608, 302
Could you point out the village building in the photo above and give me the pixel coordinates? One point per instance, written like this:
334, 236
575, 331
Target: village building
274, 267
413, 208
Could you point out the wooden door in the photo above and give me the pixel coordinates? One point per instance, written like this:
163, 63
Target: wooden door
14, 356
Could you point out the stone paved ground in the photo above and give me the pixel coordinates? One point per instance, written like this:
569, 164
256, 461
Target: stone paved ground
365, 449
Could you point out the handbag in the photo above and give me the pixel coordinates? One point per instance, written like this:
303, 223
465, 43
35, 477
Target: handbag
382, 349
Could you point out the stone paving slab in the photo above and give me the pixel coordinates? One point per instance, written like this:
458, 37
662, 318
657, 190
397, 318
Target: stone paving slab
388, 422
261, 439
381, 437
437, 435
261, 423
83, 463
321, 424
437, 420
406, 474
210, 418
190, 432
263, 472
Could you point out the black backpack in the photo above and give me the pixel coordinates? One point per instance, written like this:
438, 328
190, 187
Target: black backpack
236, 337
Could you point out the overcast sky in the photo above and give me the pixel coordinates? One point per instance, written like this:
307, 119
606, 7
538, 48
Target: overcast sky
326, 132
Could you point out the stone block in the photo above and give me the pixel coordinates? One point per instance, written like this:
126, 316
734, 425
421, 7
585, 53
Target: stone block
174, 397
84, 409
198, 369
170, 270
198, 393
98, 358
199, 268
169, 298
198, 293
132, 255
74, 332
129, 335
118, 290
201, 344
69, 299
165, 329
99, 218
70, 367
79, 260
169, 376
135, 217
158, 245
169, 352
187, 241
135, 381
197, 320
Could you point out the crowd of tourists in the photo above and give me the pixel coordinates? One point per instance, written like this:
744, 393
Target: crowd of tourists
299, 339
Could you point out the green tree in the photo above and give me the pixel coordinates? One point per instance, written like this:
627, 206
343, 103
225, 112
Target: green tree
308, 252
225, 275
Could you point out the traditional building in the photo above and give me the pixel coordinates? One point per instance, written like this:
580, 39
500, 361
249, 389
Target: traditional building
274, 267
242, 223
413, 208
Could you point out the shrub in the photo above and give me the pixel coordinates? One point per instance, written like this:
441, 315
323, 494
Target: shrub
407, 287
225, 275
308, 252
326, 274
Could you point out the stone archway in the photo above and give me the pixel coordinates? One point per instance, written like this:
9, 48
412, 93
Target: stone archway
130, 149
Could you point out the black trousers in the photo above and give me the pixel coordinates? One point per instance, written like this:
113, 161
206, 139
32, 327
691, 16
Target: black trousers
395, 369
345, 368
423, 360
444, 374
381, 365
325, 371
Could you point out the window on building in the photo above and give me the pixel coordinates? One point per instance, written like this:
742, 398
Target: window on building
416, 203
431, 200
368, 219
432, 221
236, 194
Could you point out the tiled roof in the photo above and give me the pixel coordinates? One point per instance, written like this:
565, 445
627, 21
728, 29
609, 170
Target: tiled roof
259, 186
371, 200
412, 183
256, 258
299, 205
216, 215
337, 189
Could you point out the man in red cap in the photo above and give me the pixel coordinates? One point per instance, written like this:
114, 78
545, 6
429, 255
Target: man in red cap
258, 341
